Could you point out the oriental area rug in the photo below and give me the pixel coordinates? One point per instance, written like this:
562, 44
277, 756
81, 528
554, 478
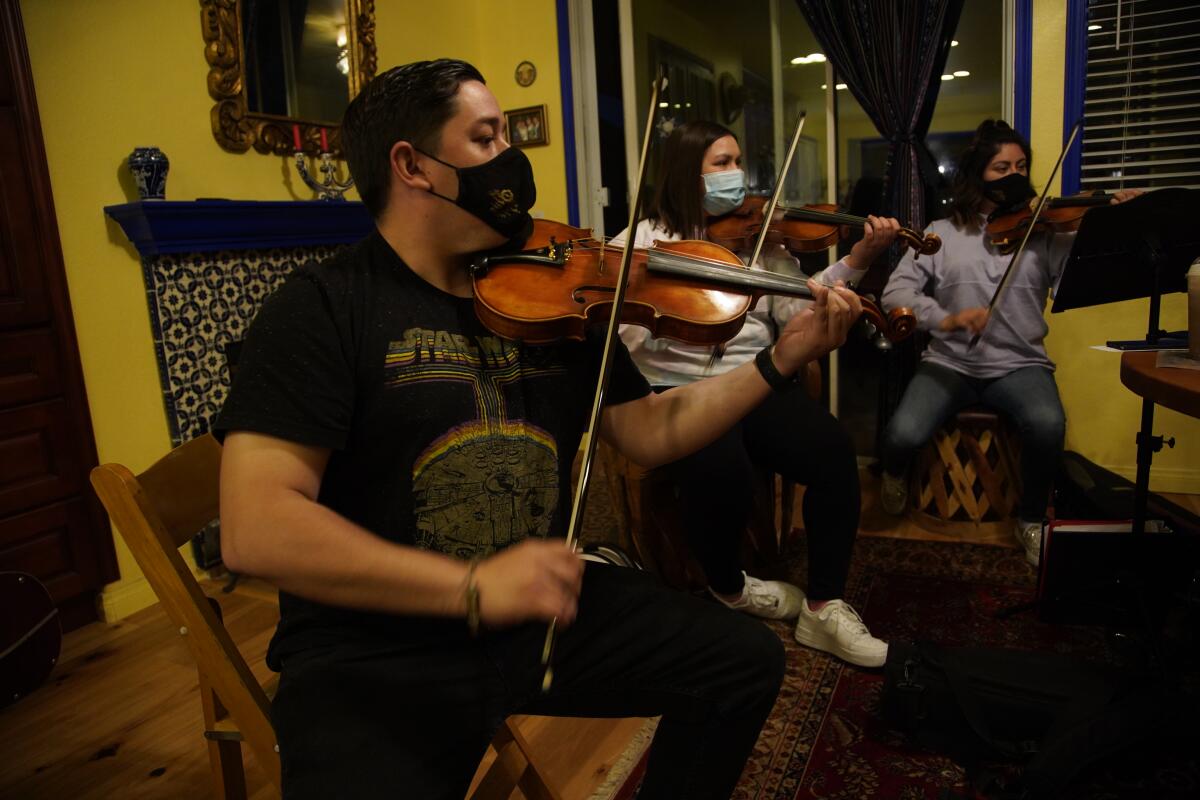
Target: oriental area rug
826, 738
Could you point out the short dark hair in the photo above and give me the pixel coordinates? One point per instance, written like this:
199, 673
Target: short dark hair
410, 103
966, 189
678, 199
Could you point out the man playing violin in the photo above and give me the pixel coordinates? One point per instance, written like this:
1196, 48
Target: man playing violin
403, 476
1008, 368
790, 433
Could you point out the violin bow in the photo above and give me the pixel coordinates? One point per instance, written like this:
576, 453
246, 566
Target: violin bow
1016, 256
769, 210
614, 324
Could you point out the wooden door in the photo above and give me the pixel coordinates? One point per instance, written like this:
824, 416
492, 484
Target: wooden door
51, 525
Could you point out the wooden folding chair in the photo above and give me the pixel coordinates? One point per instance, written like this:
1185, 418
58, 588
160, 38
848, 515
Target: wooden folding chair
157, 512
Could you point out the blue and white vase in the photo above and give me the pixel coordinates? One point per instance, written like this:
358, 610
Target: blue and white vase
149, 166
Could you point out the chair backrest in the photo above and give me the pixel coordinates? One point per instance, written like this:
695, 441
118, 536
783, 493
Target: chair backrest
156, 512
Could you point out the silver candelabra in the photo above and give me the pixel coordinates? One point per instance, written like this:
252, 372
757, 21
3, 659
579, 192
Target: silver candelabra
329, 187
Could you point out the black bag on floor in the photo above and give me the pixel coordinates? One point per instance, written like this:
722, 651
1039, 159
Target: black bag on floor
1053, 714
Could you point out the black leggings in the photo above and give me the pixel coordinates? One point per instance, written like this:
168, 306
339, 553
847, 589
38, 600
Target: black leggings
410, 714
792, 435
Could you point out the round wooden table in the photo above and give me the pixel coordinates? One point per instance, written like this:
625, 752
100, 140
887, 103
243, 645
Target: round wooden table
1176, 389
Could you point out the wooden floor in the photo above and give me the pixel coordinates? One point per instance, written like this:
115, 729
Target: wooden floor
120, 716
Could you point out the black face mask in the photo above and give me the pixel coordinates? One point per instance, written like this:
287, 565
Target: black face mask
1010, 191
499, 192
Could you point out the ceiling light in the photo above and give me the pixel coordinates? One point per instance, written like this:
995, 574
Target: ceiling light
954, 42
961, 73
824, 86
664, 105
942, 169
840, 86
1094, 27
816, 58
800, 60
947, 77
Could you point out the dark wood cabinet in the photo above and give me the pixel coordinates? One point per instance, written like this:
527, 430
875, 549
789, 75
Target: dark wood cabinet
51, 525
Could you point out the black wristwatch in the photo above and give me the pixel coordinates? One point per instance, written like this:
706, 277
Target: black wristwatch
766, 367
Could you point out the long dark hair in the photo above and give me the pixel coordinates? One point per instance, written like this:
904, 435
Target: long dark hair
966, 190
678, 199
409, 103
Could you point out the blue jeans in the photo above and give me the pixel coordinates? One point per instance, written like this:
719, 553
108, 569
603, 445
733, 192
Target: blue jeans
1028, 397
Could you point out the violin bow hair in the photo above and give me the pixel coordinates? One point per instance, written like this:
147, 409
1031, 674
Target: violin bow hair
614, 324
769, 210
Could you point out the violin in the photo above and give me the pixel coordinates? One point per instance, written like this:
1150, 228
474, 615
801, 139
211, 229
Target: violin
1060, 214
694, 291
803, 229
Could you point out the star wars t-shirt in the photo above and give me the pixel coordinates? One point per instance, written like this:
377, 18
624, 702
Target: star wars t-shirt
444, 436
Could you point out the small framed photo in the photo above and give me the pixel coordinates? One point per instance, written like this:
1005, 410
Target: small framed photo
527, 126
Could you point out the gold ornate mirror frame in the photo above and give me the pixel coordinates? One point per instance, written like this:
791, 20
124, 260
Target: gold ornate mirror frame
238, 129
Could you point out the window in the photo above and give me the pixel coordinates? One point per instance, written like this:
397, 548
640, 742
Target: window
1141, 101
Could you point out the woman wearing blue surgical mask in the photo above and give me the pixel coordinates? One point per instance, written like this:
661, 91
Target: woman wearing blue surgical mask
701, 177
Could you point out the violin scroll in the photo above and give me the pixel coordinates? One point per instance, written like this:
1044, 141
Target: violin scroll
884, 330
925, 245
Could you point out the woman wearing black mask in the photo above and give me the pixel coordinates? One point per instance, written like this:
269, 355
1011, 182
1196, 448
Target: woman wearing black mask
1008, 368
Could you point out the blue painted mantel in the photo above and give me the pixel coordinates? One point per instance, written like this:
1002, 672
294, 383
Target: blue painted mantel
200, 226
208, 265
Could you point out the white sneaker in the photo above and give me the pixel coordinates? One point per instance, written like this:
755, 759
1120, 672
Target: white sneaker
893, 494
837, 629
768, 599
1029, 536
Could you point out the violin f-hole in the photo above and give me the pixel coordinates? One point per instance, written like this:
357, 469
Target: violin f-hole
580, 292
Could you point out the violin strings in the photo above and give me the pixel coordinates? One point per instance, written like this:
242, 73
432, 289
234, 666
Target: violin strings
823, 216
684, 259
713, 268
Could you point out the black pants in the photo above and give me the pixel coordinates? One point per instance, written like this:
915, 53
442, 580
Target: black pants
411, 716
792, 435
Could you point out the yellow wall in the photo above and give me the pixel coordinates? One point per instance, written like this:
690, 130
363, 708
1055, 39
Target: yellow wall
101, 91
1102, 415
495, 38
111, 76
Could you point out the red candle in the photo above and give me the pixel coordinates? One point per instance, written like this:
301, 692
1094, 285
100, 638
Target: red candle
324, 142
296, 138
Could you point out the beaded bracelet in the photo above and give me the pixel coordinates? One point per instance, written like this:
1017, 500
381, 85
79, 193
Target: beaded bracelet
472, 597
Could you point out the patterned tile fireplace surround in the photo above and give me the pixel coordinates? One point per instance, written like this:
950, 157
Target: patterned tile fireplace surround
208, 265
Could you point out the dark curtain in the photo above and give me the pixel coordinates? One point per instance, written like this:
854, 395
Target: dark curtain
890, 54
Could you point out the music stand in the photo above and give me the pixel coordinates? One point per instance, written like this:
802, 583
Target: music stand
1140, 248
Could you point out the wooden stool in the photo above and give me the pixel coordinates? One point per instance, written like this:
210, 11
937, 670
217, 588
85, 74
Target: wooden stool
647, 513
967, 475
